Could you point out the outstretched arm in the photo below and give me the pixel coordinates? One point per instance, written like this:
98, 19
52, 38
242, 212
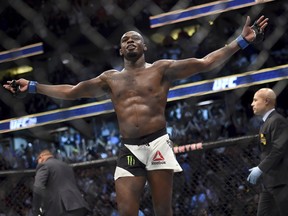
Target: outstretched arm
184, 68
95, 87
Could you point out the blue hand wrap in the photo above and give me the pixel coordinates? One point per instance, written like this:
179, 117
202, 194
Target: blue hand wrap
242, 43
32, 87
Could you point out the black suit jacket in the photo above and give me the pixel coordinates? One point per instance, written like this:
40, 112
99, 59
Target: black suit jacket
55, 189
274, 150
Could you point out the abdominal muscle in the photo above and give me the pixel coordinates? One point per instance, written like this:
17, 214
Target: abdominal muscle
139, 116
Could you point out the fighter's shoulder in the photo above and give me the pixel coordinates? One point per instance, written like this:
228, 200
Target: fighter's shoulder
163, 62
109, 73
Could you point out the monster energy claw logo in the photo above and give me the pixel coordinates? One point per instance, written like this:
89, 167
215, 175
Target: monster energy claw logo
130, 160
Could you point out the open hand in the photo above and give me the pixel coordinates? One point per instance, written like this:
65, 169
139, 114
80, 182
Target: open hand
254, 175
250, 33
17, 86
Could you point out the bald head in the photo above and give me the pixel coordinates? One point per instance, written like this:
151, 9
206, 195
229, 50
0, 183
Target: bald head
263, 101
44, 155
268, 94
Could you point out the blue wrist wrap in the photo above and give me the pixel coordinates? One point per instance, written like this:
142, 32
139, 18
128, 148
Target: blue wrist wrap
32, 87
242, 43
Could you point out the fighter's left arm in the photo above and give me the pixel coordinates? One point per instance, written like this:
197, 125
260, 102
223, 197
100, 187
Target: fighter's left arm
179, 69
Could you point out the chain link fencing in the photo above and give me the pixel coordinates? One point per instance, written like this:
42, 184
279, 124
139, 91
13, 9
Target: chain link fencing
213, 182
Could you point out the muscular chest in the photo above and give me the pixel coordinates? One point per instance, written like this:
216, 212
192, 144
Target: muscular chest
143, 83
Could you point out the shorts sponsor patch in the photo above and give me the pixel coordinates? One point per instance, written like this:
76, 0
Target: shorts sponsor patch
130, 160
158, 159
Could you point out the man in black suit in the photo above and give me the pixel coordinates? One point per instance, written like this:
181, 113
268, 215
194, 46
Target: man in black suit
273, 168
55, 192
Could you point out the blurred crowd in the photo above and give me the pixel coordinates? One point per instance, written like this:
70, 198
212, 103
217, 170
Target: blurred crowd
186, 123
213, 182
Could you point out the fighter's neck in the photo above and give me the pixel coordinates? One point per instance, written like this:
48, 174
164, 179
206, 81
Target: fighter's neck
132, 65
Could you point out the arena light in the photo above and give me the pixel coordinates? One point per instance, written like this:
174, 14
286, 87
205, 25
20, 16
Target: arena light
175, 33
21, 70
191, 30
16, 71
204, 103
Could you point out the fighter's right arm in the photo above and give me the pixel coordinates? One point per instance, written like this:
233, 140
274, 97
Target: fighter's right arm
95, 87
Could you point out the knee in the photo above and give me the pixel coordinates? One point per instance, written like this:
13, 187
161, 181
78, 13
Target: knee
127, 210
163, 211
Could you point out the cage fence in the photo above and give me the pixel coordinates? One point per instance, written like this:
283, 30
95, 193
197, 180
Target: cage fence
213, 182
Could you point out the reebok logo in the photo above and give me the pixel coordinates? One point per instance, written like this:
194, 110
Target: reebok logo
158, 158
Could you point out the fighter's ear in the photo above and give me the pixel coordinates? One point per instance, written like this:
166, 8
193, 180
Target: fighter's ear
145, 47
120, 52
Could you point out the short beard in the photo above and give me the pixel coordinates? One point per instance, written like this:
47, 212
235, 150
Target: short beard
132, 56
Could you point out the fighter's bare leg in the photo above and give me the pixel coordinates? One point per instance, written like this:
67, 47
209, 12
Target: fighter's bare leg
128, 194
161, 184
